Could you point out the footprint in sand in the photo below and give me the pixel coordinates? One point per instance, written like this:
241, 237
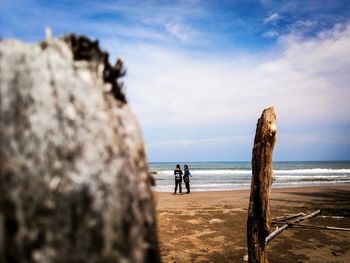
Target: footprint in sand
198, 234
194, 221
215, 220
217, 239
164, 214
226, 211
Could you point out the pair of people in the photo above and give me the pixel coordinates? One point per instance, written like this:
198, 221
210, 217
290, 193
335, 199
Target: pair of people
179, 175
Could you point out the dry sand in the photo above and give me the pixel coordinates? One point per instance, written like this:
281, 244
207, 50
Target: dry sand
211, 226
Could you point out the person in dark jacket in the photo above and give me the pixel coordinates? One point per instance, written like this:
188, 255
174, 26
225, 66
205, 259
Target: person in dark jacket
178, 178
186, 177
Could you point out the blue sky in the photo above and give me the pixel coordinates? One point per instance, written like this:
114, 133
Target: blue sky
201, 72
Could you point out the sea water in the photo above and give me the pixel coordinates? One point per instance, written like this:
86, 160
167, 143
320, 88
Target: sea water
220, 176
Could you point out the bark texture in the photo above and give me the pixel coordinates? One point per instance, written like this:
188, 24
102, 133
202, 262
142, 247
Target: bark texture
74, 181
259, 219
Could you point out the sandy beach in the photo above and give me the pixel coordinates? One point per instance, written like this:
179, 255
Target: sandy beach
211, 226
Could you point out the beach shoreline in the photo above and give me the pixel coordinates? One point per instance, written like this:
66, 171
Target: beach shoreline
224, 176
280, 187
211, 226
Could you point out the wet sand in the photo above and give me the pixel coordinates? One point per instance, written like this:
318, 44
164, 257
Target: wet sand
211, 226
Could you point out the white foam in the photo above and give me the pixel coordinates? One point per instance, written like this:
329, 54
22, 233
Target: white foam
313, 171
227, 187
248, 172
311, 177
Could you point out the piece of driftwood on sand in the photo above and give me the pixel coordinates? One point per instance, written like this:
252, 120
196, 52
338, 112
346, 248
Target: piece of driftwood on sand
282, 219
309, 226
259, 219
279, 230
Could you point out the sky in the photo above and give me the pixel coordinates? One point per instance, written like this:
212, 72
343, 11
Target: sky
200, 73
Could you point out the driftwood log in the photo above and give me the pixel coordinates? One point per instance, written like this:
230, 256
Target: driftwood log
279, 230
259, 219
282, 219
74, 180
313, 227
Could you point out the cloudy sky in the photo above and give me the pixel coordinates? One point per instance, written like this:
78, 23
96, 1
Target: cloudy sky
201, 72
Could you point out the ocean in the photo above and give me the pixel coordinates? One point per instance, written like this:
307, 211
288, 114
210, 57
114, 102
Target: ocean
221, 176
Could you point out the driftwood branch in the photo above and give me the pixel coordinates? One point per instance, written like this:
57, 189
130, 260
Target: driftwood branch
278, 219
279, 230
259, 220
308, 226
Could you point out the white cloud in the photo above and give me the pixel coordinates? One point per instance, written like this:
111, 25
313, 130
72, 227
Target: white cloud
307, 83
136, 32
193, 142
171, 89
308, 139
179, 31
273, 18
325, 56
306, 23
271, 34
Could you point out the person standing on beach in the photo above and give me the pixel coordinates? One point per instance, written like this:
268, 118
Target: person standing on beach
186, 177
178, 178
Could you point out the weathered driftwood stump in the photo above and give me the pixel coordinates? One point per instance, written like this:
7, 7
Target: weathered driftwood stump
74, 181
259, 220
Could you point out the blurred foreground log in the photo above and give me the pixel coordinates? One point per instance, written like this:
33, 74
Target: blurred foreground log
74, 180
259, 219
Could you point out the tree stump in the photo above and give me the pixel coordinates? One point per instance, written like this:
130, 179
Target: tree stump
74, 180
259, 219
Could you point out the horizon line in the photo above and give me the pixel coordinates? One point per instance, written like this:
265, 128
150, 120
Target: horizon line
279, 161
